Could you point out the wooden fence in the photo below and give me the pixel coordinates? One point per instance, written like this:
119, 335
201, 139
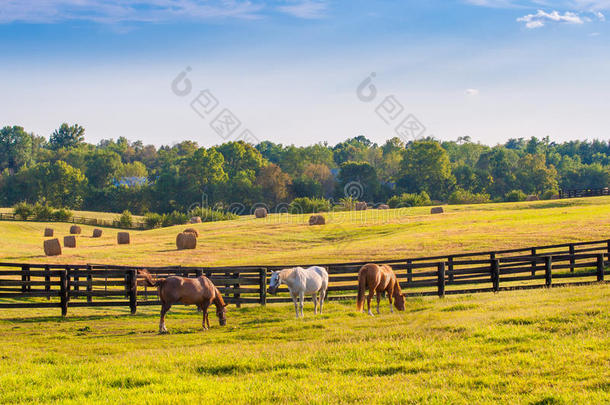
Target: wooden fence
110, 223
585, 192
63, 286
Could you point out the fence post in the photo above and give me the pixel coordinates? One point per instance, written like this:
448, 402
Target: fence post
548, 268
68, 283
495, 274
534, 262
609, 250
600, 267
24, 278
441, 279
132, 277
263, 286
47, 281
409, 271
236, 295
572, 260
89, 284
450, 269
63, 291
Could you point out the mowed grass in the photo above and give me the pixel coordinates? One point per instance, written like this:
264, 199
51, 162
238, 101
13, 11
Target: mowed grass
348, 236
524, 347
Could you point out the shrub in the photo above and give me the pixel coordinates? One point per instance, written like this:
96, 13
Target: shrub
211, 215
547, 195
175, 218
515, 196
42, 212
23, 210
410, 200
306, 205
461, 196
125, 220
346, 204
62, 214
153, 220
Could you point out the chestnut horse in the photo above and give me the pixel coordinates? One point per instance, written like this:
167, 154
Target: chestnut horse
199, 291
379, 279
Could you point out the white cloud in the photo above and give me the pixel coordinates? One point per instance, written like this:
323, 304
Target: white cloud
305, 9
472, 92
542, 17
600, 16
116, 11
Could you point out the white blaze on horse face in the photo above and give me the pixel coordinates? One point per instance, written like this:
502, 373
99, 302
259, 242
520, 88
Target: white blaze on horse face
274, 283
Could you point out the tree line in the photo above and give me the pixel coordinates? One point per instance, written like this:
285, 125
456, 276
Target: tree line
115, 175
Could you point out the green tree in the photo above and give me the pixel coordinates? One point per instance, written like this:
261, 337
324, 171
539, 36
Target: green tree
425, 167
102, 166
15, 148
67, 136
359, 180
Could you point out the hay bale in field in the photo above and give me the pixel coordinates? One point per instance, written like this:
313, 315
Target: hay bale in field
383, 207
260, 212
317, 220
361, 206
437, 210
192, 230
195, 220
70, 241
52, 247
532, 198
122, 238
186, 240
48, 232
97, 233
75, 230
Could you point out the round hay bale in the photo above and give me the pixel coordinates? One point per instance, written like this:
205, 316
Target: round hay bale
52, 247
317, 220
75, 230
383, 207
437, 210
70, 241
192, 230
48, 232
260, 212
361, 206
186, 240
195, 220
532, 198
122, 238
97, 233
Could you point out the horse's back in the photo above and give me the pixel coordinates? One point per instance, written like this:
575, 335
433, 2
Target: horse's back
316, 279
187, 290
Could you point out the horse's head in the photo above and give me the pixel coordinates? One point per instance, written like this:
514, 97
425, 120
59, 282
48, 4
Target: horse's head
274, 282
221, 312
399, 302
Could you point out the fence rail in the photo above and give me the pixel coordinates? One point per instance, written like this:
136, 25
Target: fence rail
110, 223
585, 192
63, 286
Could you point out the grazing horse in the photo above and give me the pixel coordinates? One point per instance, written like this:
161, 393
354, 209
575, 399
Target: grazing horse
301, 282
379, 279
199, 291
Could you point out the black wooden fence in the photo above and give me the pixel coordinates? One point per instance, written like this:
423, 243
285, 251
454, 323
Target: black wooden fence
63, 286
585, 192
110, 223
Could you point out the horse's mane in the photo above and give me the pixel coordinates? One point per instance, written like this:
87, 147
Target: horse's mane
284, 274
218, 301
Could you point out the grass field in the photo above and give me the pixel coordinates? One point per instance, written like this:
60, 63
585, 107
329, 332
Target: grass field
524, 347
348, 236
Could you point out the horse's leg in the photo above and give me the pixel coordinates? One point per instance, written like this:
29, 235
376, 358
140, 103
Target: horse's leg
164, 308
314, 298
296, 307
378, 296
390, 294
322, 296
301, 302
368, 300
204, 309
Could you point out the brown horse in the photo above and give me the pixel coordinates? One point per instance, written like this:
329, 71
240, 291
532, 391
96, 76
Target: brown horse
379, 279
199, 291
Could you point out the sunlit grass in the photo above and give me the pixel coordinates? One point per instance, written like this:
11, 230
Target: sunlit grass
544, 346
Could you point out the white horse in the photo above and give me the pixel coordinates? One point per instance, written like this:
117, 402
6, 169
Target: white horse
302, 282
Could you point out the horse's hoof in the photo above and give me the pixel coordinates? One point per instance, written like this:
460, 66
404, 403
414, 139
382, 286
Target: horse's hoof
163, 332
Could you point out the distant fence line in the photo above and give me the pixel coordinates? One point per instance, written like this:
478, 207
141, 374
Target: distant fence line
585, 192
110, 223
63, 286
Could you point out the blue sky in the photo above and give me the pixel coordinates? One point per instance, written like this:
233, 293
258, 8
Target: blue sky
288, 70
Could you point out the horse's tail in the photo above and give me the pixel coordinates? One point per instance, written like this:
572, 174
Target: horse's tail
361, 289
147, 279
